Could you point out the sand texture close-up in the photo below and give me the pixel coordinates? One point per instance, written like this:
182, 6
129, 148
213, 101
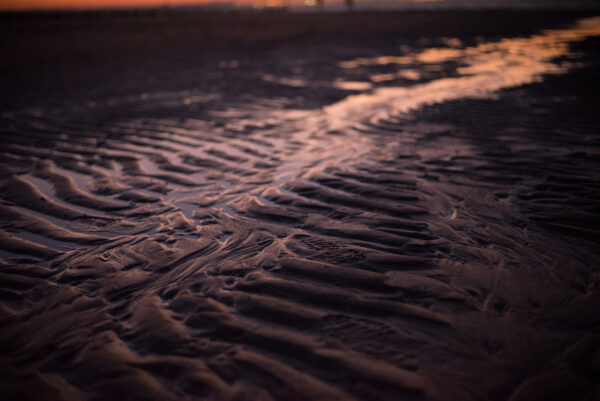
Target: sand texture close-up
277, 206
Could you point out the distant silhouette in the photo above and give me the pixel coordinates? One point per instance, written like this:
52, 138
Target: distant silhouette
349, 4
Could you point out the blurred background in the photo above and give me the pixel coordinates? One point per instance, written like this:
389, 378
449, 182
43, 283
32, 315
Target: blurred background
291, 4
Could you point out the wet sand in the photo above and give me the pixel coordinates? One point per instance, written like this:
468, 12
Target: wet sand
409, 212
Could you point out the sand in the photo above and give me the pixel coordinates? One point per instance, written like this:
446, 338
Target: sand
293, 210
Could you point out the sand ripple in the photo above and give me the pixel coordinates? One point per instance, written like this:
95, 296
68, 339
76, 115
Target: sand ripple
427, 242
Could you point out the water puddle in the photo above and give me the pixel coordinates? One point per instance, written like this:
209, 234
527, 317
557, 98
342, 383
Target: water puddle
488, 68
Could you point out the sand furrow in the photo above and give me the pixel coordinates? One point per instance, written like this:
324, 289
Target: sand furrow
425, 238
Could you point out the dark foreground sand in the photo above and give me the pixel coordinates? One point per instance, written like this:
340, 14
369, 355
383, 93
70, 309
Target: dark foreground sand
329, 207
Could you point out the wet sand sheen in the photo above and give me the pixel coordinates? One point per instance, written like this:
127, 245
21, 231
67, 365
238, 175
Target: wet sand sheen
488, 68
433, 240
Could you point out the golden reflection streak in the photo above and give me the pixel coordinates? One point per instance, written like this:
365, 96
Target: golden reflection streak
490, 67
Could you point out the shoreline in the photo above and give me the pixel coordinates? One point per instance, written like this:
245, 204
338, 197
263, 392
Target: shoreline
331, 9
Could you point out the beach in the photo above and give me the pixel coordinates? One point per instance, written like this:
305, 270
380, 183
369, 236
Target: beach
253, 205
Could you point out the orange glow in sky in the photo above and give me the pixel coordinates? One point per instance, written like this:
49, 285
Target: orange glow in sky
46, 4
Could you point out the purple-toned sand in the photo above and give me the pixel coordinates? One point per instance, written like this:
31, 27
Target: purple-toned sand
276, 206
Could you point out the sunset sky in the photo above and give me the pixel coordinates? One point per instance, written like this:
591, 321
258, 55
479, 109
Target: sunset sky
61, 4
77, 4
42, 4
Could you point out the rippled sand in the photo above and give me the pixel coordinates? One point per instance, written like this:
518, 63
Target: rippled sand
421, 225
